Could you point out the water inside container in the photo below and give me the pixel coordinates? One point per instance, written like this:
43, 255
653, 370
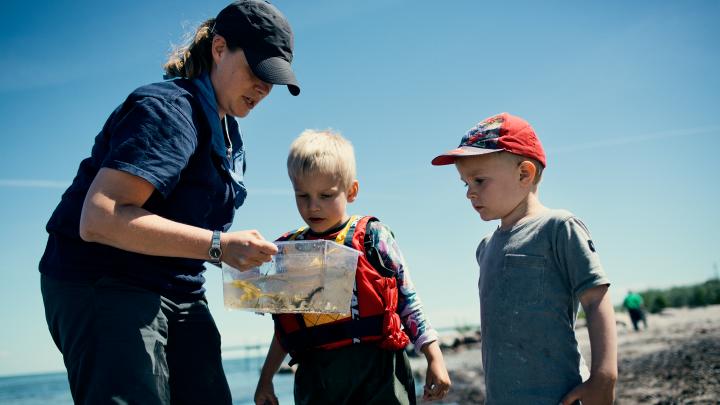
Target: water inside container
305, 276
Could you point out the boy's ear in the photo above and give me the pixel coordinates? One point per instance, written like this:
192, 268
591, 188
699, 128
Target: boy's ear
528, 171
353, 191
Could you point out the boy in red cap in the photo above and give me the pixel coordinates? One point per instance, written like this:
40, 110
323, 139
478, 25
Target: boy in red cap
536, 269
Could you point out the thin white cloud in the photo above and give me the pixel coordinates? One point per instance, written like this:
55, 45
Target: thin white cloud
607, 142
39, 183
617, 141
33, 183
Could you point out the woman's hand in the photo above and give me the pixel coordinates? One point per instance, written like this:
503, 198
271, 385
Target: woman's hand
244, 250
265, 393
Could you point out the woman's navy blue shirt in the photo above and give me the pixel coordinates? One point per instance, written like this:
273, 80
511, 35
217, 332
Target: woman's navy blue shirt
169, 134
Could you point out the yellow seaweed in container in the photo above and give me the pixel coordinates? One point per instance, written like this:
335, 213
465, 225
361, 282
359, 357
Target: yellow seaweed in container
305, 276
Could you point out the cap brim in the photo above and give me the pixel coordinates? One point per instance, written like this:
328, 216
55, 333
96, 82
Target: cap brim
449, 157
274, 70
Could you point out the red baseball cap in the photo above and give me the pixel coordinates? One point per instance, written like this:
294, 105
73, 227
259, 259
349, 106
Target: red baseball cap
502, 132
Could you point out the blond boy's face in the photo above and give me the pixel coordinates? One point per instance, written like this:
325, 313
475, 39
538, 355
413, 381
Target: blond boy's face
494, 185
322, 200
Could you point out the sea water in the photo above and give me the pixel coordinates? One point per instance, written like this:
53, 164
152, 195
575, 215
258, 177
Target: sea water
52, 388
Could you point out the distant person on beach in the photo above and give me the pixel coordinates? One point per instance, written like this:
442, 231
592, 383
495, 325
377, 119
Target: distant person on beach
359, 358
122, 278
536, 268
633, 302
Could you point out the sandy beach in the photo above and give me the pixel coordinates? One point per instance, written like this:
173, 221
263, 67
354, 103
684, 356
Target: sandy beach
675, 361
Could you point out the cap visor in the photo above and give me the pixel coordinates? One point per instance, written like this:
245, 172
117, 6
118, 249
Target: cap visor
274, 70
449, 157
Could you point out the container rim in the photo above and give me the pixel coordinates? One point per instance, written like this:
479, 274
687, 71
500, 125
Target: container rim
293, 242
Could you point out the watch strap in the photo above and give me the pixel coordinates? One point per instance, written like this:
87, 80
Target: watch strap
215, 251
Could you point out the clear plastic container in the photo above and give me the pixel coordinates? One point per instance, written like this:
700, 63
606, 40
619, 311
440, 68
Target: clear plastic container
304, 276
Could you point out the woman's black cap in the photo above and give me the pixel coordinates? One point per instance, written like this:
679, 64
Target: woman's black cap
265, 36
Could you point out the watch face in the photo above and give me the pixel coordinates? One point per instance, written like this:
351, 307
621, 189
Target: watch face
215, 253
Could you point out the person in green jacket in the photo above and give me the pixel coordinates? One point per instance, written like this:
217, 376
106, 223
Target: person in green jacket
634, 304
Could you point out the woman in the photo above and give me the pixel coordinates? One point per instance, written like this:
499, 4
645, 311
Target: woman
122, 271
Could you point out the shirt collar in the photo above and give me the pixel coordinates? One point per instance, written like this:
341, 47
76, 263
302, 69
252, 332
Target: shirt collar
206, 96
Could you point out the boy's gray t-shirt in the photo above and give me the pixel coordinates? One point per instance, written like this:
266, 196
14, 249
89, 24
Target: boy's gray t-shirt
531, 277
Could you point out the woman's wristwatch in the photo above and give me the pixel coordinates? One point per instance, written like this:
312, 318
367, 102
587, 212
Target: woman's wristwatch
215, 251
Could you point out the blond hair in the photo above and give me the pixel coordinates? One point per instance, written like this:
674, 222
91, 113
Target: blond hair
322, 152
193, 58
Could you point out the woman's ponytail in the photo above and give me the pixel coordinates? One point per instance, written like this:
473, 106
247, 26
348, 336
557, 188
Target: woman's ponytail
195, 57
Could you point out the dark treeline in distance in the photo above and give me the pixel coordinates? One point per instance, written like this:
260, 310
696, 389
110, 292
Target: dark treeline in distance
698, 295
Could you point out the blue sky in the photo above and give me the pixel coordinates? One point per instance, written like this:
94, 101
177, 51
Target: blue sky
624, 95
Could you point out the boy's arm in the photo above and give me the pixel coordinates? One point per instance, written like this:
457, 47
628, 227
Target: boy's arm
412, 314
600, 387
437, 380
265, 392
409, 307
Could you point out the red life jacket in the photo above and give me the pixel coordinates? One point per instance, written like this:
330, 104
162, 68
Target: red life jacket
373, 317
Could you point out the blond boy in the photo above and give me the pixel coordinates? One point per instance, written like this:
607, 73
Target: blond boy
359, 358
535, 270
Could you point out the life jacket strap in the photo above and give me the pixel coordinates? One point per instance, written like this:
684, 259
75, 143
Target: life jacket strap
335, 332
344, 237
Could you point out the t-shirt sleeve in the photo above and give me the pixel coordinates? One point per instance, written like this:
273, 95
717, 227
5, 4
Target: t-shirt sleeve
154, 140
578, 256
480, 249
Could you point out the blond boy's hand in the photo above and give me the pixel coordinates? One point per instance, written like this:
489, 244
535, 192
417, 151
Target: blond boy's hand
594, 391
437, 380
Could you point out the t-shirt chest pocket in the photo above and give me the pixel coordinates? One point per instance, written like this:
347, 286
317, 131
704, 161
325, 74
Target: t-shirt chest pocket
524, 275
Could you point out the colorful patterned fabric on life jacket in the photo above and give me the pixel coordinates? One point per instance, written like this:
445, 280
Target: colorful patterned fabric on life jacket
373, 317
